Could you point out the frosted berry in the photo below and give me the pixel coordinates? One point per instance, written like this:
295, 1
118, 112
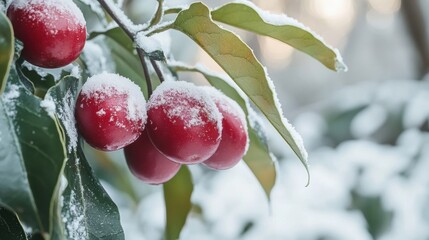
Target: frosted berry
110, 111
183, 122
53, 31
147, 163
234, 140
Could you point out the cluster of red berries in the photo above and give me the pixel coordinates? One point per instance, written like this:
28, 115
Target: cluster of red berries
180, 124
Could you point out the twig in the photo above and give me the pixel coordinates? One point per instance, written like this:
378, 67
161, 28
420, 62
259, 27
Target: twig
157, 70
132, 35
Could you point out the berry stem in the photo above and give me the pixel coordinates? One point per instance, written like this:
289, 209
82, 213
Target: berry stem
157, 70
116, 15
146, 72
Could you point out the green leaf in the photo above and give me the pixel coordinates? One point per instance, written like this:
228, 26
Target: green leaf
249, 17
87, 211
239, 62
10, 227
31, 156
123, 54
258, 156
177, 196
6, 49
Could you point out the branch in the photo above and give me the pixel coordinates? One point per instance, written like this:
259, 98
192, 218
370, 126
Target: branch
125, 24
157, 70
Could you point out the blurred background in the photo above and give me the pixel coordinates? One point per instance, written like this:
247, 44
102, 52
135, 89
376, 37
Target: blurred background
366, 131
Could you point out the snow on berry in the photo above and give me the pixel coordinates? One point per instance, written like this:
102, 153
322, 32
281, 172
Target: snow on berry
235, 141
56, 26
110, 111
183, 122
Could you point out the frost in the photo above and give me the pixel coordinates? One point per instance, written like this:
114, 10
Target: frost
74, 219
148, 44
95, 7
49, 105
95, 58
75, 72
282, 19
103, 85
9, 99
68, 11
54, 72
228, 105
296, 137
123, 18
184, 101
101, 112
164, 39
66, 115
2, 7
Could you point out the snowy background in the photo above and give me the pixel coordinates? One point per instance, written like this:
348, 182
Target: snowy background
366, 132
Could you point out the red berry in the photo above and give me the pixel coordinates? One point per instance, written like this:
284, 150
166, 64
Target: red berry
53, 31
110, 111
183, 122
234, 141
147, 163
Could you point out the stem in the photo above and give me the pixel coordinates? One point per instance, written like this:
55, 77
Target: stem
160, 28
157, 70
159, 13
146, 72
108, 8
114, 14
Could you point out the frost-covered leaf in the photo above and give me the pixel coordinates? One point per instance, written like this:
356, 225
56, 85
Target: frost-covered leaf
31, 156
239, 62
87, 210
6, 49
10, 227
124, 55
177, 196
247, 16
258, 156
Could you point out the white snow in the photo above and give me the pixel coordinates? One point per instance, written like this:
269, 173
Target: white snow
9, 98
230, 106
103, 85
49, 105
164, 40
148, 44
282, 19
296, 137
76, 72
95, 57
166, 95
227, 104
74, 219
66, 115
67, 8
95, 7
123, 18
